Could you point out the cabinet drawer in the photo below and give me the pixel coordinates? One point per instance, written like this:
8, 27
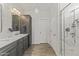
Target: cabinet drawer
20, 47
12, 52
9, 52
5, 50
8, 46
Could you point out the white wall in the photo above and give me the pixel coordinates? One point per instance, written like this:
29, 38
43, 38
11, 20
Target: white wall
54, 29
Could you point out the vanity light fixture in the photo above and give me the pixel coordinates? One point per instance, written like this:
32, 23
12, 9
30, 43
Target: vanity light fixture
15, 11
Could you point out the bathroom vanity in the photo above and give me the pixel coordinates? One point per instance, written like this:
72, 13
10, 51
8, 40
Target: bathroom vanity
14, 46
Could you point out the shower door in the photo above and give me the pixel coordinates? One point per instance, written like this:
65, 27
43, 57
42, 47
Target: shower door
70, 40
69, 35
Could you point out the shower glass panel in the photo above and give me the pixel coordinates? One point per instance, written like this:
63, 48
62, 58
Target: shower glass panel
70, 31
76, 13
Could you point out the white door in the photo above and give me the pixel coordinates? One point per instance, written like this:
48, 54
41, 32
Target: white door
43, 30
41, 24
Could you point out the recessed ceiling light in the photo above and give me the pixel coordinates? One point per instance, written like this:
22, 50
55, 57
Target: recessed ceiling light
36, 10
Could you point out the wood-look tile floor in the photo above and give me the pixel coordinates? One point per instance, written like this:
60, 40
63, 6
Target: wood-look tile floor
40, 50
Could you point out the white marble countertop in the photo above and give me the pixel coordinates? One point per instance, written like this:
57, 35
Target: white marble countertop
5, 41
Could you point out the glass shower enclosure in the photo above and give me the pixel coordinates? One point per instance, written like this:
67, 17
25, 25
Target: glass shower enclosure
70, 30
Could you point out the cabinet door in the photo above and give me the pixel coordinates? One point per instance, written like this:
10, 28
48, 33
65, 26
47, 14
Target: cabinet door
29, 40
26, 42
9, 50
4, 53
20, 47
12, 52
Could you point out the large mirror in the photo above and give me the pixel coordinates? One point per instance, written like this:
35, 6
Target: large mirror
15, 19
0, 18
15, 22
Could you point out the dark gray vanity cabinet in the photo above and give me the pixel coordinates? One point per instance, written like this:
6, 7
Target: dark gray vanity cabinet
16, 48
25, 42
23, 45
9, 50
20, 47
13, 52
